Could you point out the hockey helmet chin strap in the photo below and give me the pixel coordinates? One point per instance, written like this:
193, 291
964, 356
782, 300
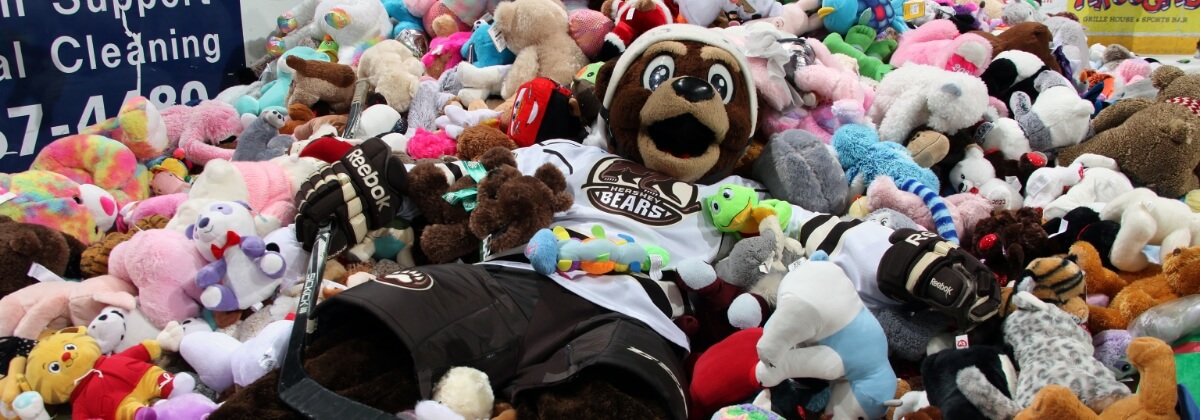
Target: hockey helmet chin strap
923, 267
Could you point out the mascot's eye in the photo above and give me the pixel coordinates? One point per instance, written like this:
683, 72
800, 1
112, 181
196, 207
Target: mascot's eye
658, 71
69, 347
716, 208
78, 200
727, 193
54, 367
722, 81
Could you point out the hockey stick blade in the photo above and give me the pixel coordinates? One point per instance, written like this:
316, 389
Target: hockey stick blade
296, 389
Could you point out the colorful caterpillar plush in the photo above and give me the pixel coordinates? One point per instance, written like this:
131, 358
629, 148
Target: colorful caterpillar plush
554, 250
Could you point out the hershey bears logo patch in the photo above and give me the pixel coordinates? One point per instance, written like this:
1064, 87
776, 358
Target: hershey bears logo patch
619, 186
407, 279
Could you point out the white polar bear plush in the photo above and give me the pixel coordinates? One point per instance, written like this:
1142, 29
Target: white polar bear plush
1098, 187
1147, 219
1059, 117
1047, 184
916, 95
976, 175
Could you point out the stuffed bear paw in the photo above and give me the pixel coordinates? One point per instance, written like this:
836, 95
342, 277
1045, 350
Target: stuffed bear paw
745, 312
219, 298
696, 274
253, 246
272, 264
184, 383
170, 337
30, 406
208, 276
145, 413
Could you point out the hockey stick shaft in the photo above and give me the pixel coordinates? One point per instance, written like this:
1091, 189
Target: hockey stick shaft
296, 389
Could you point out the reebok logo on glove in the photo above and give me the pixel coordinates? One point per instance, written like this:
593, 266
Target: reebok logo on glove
945, 288
370, 178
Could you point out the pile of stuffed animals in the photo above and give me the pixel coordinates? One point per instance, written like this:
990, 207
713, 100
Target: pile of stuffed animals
149, 267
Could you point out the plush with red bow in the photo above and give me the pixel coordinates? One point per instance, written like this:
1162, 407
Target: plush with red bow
241, 271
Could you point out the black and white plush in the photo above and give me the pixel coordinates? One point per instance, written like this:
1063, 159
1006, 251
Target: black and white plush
949, 375
1013, 71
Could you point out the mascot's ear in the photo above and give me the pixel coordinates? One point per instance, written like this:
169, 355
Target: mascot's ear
603, 78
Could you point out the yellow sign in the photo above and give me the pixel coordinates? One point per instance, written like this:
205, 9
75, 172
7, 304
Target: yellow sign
1144, 26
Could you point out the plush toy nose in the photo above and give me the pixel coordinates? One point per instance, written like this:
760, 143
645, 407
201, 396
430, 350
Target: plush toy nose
202, 223
693, 89
66, 356
987, 241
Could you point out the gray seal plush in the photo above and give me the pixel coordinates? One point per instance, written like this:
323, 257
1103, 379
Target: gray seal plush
261, 140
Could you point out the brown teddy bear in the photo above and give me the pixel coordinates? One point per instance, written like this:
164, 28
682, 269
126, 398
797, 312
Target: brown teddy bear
1180, 277
298, 114
1008, 240
1156, 143
1031, 37
25, 244
95, 258
1156, 397
318, 81
538, 31
510, 207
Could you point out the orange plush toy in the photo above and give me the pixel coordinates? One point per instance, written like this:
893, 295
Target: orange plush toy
1155, 400
1180, 277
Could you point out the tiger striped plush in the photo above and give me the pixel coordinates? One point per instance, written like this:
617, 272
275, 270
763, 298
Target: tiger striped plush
1054, 280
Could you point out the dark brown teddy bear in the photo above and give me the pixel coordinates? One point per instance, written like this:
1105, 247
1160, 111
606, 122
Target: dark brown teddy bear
23, 244
1031, 37
1008, 241
1155, 143
510, 207
95, 257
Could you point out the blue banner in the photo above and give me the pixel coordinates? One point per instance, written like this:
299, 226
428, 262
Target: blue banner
66, 64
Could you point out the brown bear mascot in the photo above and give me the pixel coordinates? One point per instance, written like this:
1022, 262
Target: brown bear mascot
679, 111
682, 109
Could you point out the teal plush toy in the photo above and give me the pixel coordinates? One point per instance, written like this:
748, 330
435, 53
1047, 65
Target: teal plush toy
735, 208
554, 250
480, 50
275, 91
863, 156
405, 20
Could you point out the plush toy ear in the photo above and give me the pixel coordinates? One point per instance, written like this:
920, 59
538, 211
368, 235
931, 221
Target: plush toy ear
999, 75
189, 231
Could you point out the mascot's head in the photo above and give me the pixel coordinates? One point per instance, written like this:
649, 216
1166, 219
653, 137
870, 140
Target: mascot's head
679, 100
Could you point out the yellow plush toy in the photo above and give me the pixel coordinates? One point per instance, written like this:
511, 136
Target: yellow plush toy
67, 366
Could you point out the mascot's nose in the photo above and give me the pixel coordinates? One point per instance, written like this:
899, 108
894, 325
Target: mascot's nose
202, 223
694, 89
66, 356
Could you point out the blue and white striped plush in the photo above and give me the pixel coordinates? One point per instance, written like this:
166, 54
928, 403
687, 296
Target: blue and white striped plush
937, 208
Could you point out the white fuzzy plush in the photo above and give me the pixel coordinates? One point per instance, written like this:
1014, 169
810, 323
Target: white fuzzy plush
1147, 219
976, 175
1098, 186
1005, 135
915, 95
466, 392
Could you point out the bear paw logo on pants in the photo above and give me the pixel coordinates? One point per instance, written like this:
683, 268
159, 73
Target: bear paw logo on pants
407, 279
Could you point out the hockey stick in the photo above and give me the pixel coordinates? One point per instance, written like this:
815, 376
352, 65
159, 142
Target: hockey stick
296, 389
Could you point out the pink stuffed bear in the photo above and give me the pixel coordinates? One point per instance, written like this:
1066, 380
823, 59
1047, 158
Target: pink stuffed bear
200, 129
162, 263
966, 209
60, 304
939, 44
